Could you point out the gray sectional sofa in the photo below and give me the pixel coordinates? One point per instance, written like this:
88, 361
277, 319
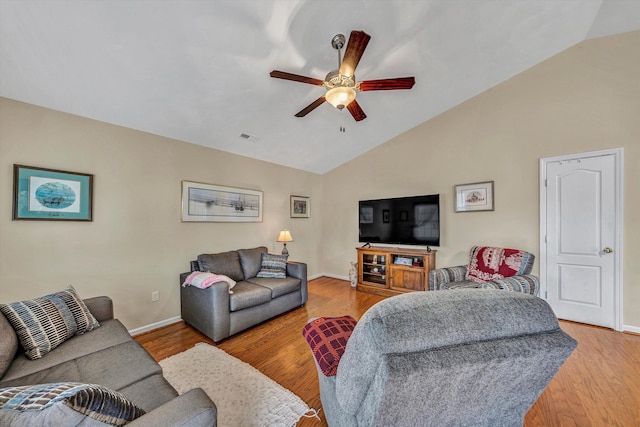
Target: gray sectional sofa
218, 314
107, 356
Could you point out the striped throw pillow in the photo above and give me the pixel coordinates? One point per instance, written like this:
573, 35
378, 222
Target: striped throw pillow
41, 324
42, 403
273, 266
84, 319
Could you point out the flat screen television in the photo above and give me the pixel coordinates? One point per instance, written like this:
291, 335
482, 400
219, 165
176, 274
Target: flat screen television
413, 220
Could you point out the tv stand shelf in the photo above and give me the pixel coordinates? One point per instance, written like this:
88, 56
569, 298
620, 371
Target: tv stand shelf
392, 271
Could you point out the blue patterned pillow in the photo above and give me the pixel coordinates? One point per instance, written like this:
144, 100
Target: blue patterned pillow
84, 319
273, 266
65, 404
41, 324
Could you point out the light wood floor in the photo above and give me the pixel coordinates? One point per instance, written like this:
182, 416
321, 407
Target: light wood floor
599, 385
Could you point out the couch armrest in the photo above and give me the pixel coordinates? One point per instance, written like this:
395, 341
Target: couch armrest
440, 276
299, 271
193, 408
207, 310
101, 307
526, 283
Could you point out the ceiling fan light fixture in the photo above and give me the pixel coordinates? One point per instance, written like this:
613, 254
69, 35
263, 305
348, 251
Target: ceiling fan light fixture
340, 96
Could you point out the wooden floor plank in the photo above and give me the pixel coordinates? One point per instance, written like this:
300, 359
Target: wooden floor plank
599, 385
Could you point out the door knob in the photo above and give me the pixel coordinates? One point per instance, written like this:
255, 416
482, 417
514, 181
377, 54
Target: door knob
607, 250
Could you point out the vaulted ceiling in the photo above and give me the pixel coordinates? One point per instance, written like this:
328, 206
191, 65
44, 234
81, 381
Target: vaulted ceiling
198, 71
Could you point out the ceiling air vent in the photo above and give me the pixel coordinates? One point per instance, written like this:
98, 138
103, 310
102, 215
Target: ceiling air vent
249, 137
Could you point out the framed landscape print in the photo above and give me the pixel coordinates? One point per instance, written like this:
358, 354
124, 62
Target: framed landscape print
299, 206
215, 203
477, 196
50, 194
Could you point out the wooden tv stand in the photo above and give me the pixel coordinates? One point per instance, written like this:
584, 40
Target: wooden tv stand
393, 271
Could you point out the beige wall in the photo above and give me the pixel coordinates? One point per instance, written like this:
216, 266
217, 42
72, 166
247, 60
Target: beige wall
584, 99
136, 243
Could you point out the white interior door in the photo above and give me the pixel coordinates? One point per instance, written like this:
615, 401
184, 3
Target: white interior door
581, 242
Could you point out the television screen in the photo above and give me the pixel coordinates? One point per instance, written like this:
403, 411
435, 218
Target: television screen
411, 220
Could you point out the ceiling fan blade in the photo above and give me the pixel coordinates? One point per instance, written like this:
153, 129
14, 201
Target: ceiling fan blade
295, 77
388, 84
358, 41
309, 108
356, 111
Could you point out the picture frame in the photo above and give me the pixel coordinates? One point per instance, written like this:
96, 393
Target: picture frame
299, 206
385, 216
51, 194
474, 197
216, 203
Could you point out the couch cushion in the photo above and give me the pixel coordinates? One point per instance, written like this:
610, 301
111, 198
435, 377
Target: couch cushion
150, 392
251, 260
488, 263
278, 287
273, 266
115, 367
84, 319
41, 324
8, 344
247, 294
226, 263
49, 404
111, 333
327, 338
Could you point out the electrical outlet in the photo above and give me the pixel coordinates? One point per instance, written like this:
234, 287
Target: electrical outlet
155, 296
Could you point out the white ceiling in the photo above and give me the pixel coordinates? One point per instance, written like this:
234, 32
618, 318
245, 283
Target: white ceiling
198, 71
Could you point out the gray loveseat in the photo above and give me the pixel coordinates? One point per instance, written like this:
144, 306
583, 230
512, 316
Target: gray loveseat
219, 314
107, 356
464, 357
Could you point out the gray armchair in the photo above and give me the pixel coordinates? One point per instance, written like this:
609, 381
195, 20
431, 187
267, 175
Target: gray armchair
458, 358
502, 274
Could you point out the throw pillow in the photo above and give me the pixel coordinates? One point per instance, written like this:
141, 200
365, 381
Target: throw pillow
203, 280
489, 263
41, 324
84, 319
273, 266
45, 404
327, 338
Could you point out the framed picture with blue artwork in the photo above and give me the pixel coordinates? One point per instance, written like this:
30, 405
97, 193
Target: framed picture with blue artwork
51, 194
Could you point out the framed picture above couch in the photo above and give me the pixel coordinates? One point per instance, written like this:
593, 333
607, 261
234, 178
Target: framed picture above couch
215, 203
51, 194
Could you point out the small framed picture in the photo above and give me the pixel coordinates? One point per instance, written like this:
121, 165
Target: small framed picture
385, 215
299, 206
477, 196
51, 194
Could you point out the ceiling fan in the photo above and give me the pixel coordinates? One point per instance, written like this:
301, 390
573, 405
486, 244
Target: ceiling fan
341, 84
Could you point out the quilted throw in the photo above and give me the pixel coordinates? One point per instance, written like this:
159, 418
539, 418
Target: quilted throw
489, 263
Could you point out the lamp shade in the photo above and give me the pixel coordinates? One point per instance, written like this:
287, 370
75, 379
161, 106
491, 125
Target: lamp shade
284, 236
340, 96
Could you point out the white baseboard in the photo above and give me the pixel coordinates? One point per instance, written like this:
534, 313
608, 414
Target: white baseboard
634, 329
334, 276
151, 327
